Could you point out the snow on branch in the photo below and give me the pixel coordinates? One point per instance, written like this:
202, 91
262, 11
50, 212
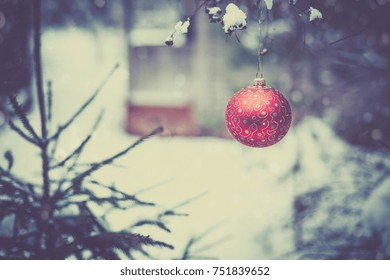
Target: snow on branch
182, 28
233, 19
314, 14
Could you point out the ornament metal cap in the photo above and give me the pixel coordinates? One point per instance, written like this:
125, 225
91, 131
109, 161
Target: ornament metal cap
259, 82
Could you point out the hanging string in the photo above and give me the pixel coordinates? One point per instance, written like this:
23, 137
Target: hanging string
259, 70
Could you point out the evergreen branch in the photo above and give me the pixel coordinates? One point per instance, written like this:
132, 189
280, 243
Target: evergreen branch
191, 243
21, 133
42, 224
189, 255
130, 197
187, 249
152, 223
77, 152
22, 117
124, 195
171, 212
53, 150
91, 218
143, 252
72, 154
8, 187
76, 182
85, 105
152, 187
189, 200
106, 254
6, 176
67, 201
210, 245
10, 159
123, 241
49, 100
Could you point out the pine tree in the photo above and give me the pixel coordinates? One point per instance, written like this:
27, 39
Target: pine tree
35, 215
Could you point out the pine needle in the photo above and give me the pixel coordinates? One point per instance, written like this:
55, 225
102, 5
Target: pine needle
85, 105
21, 133
96, 166
77, 152
152, 223
23, 118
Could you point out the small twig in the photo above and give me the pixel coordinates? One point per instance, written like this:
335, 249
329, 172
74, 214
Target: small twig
55, 146
21, 133
300, 9
170, 41
171, 211
23, 118
85, 105
49, 100
189, 200
96, 166
188, 254
152, 187
79, 149
18, 185
348, 37
76, 182
200, 6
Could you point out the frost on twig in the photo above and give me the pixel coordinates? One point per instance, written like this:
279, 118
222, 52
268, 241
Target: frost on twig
214, 13
314, 14
180, 28
234, 19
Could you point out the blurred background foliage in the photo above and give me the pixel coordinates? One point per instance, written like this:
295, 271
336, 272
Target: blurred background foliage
337, 69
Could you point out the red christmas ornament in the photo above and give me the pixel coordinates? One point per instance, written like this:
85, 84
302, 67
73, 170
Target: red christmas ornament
258, 115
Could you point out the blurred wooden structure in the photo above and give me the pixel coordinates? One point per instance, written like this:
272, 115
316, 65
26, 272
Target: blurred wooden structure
158, 73
177, 86
176, 120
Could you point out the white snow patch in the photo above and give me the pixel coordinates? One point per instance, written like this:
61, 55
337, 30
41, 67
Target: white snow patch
269, 4
314, 14
234, 18
213, 10
182, 27
377, 213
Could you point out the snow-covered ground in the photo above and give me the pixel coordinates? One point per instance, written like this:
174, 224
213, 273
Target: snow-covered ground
246, 195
